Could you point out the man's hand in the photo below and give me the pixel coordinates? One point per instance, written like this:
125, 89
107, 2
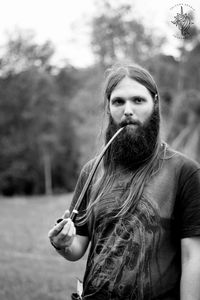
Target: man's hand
63, 233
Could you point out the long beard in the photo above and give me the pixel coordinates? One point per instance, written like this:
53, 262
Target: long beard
134, 145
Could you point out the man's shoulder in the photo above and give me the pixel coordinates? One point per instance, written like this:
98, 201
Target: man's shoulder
181, 161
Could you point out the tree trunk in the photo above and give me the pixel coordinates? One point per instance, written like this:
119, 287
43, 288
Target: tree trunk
47, 173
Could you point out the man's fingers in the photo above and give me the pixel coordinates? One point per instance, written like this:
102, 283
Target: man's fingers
57, 228
66, 234
72, 231
66, 214
65, 230
68, 226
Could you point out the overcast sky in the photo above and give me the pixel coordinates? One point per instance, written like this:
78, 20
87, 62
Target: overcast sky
65, 22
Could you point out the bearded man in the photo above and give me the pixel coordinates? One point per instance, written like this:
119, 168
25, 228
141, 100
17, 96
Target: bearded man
141, 214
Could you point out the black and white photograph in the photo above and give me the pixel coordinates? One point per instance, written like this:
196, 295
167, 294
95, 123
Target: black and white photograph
100, 150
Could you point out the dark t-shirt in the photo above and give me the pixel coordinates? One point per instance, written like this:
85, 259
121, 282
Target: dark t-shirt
139, 257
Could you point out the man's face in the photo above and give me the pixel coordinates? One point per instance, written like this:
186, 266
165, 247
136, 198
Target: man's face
130, 102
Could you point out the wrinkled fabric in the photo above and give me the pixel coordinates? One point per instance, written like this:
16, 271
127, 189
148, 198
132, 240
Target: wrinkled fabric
139, 257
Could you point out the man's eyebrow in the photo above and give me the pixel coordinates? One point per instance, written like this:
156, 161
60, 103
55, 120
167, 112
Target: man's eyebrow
139, 96
133, 97
117, 97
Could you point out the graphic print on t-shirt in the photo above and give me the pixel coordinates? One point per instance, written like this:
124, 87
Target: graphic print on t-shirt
119, 265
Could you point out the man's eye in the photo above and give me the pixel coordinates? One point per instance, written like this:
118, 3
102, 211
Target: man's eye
139, 100
118, 101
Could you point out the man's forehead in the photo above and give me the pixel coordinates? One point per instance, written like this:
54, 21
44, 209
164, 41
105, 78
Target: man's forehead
129, 87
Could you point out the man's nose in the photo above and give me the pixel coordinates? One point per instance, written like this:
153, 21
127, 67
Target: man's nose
128, 110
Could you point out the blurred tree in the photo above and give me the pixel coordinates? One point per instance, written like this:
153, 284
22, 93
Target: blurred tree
118, 35
38, 143
191, 79
87, 108
70, 80
22, 52
164, 68
108, 34
185, 129
189, 56
175, 78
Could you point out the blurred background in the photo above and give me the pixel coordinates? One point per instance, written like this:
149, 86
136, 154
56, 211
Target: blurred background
53, 57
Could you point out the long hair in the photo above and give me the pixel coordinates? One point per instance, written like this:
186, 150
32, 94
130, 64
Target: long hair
107, 174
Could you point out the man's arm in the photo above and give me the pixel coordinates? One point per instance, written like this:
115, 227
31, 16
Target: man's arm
190, 278
65, 240
63, 235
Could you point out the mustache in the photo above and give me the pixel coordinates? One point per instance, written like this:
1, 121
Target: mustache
129, 121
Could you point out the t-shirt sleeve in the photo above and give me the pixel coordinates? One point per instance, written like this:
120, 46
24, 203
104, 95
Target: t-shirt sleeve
190, 202
81, 230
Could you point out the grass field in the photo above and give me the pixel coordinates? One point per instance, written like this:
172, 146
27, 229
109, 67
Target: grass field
29, 266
